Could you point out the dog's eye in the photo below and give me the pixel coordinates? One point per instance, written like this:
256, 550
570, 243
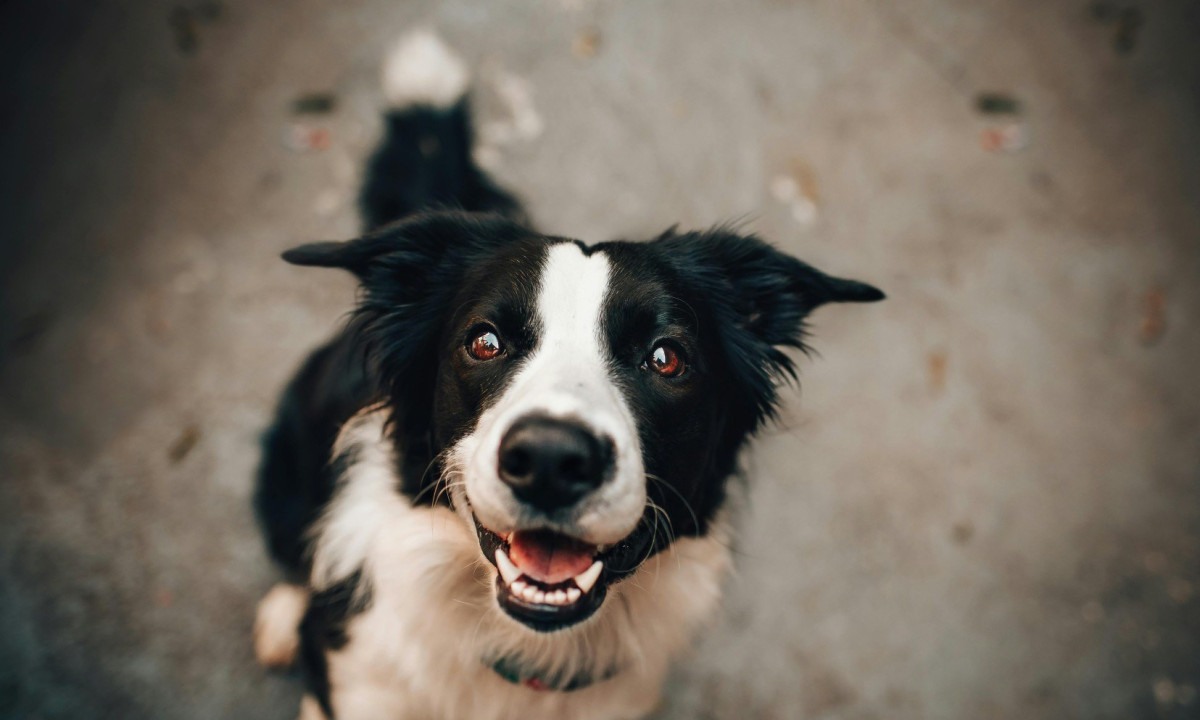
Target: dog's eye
666, 360
484, 344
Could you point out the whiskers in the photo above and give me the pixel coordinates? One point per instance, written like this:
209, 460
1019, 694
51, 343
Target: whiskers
659, 482
449, 477
663, 533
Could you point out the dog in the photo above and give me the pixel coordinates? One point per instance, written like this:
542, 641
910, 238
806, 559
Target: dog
502, 490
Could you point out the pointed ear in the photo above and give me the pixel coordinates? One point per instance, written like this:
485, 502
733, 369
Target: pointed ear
759, 299
352, 255
419, 240
769, 293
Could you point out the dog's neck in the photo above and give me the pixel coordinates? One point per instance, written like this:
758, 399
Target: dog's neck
519, 672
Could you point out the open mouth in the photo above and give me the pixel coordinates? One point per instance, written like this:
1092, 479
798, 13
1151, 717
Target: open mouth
550, 581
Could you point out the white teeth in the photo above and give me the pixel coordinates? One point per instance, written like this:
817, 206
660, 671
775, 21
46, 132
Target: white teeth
508, 571
530, 592
586, 579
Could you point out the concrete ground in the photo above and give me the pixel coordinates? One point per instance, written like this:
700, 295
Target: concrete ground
987, 502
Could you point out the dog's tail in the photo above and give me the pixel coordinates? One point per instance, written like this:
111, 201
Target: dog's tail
424, 159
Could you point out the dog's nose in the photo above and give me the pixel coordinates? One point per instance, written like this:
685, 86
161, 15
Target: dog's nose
550, 463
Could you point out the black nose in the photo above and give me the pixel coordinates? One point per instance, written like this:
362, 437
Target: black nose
551, 464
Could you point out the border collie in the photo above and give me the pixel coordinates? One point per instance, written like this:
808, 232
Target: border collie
501, 489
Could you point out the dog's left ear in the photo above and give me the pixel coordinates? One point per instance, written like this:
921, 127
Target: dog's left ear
768, 292
759, 298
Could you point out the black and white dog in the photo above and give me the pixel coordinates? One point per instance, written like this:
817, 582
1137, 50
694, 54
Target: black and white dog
501, 489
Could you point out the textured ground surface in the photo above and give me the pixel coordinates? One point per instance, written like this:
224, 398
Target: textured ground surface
987, 504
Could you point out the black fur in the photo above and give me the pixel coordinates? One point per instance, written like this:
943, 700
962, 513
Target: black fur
324, 628
296, 478
425, 161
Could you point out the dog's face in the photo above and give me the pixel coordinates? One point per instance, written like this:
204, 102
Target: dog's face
582, 406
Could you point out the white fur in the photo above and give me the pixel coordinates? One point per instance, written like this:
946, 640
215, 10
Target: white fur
420, 69
566, 377
277, 625
310, 709
419, 649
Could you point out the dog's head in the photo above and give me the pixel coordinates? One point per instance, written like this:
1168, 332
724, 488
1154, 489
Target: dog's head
579, 406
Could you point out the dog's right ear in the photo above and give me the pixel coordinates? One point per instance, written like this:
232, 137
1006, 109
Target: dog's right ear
409, 273
399, 251
352, 255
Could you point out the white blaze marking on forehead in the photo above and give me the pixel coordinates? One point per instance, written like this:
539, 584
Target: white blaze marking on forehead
571, 303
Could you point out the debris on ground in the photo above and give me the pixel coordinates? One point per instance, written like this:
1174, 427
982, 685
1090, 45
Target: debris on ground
185, 21
1013, 134
30, 330
994, 103
317, 103
1127, 21
328, 203
1164, 691
936, 362
302, 137
586, 43
183, 444
1010, 138
1154, 317
519, 121
799, 191
523, 122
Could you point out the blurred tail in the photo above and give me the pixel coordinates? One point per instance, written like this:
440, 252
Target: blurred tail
424, 160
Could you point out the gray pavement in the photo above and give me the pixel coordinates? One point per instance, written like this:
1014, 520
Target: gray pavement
984, 504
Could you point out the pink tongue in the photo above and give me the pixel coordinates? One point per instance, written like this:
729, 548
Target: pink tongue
548, 557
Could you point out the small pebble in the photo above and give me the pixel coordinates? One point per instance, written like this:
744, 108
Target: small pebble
318, 103
1010, 138
1164, 691
586, 43
1154, 317
183, 444
992, 103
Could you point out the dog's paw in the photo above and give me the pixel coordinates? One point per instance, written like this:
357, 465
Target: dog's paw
277, 625
310, 709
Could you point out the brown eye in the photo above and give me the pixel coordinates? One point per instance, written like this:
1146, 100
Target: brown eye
485, 345
666, 361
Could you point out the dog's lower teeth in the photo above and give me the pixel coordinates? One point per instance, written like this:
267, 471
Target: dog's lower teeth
531, 593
